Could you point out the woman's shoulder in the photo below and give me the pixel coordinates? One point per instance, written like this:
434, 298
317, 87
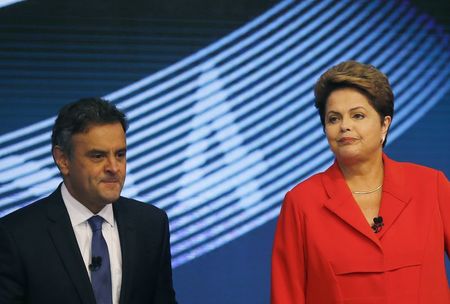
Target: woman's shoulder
309, 186
413, 175
413, 170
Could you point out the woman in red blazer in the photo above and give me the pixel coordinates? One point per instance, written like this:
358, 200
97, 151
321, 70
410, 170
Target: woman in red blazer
368, 229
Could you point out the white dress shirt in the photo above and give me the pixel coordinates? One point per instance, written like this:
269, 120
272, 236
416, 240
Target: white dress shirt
79, 215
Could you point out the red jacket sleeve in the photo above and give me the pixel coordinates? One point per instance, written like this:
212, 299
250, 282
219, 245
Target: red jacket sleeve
444, 206
288, 257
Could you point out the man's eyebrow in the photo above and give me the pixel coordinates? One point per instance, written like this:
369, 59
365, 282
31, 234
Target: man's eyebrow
94, 151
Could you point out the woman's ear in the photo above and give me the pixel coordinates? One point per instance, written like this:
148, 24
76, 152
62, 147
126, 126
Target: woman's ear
386, 124
385, 127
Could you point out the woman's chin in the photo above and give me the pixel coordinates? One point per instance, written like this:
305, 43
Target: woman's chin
347, 152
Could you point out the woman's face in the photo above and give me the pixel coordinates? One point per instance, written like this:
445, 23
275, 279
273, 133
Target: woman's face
353, 127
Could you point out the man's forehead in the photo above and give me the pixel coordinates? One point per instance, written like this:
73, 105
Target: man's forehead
96, 126
106, 136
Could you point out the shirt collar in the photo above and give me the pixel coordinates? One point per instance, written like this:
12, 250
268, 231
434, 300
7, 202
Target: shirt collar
78, 213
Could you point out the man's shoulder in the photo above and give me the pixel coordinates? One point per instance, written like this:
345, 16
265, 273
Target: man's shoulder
144, 217
139, 208
28, 213
28, 221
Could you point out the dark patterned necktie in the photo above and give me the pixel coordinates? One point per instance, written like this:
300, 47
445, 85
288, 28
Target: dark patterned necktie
100, 266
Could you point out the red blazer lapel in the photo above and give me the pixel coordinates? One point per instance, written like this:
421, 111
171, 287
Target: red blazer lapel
396, 195
342, 204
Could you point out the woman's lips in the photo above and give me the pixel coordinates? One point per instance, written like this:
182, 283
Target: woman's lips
347, 140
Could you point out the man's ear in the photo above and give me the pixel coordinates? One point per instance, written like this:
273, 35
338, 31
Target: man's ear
61, 160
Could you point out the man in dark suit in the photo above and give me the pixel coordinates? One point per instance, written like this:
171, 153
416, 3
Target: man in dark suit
85, 243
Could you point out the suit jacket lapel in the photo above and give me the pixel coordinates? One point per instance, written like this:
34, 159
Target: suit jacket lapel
396, 196
342, 204
127, 237
61, 232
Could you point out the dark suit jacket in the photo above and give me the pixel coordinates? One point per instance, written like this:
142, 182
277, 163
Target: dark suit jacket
325, 251
40, 261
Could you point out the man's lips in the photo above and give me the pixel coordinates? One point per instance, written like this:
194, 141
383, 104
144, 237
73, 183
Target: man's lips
347, 140
110, 181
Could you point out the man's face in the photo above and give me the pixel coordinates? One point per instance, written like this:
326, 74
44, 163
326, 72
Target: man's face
95, 172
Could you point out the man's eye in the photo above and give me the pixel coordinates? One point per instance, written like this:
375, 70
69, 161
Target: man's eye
97, 156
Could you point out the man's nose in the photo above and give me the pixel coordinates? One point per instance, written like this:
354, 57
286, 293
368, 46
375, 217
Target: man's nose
112, 164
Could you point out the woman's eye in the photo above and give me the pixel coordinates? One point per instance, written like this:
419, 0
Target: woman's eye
332, 119
359, 116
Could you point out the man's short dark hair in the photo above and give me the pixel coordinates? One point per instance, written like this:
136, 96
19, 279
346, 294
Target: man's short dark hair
78, 116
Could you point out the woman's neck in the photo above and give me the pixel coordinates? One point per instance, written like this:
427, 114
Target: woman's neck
364, 175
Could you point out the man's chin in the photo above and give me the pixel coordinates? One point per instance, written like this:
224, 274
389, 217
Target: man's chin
110, 198
111, 191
